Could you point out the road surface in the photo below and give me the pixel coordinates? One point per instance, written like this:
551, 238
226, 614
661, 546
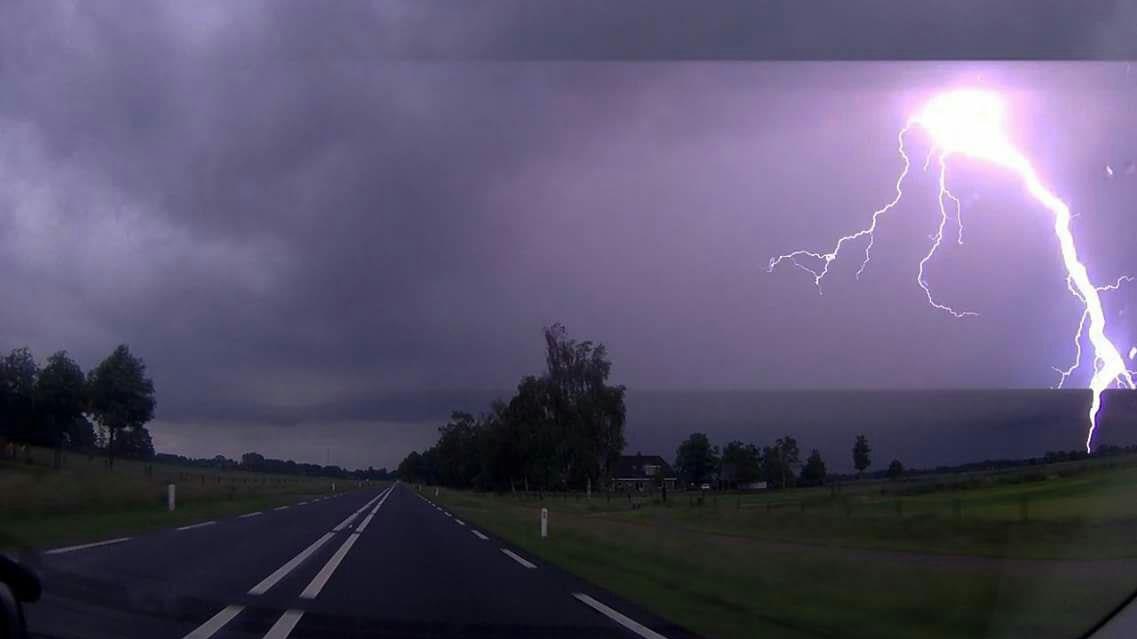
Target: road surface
375, 563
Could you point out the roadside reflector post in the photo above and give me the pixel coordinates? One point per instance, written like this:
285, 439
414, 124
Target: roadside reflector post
544, 523
436, 491
170, 497
333, 486
590, 488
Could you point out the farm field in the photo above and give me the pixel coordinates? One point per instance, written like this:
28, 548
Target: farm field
1044, 551
86, 501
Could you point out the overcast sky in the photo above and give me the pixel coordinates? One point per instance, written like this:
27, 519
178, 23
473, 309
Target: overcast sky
317, 245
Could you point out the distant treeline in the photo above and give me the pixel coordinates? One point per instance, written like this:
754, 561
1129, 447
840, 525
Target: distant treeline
255, 462
737, 464
562, 429
1050, 457
60, 406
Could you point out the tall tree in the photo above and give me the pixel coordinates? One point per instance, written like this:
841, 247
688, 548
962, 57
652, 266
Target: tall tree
81, 434
531, 422
696, 459
409, 469
589, 413
18, 372
781, 462
135, 443
746, 459
59, 400
861, 450
814, 470
120, 395
457, 450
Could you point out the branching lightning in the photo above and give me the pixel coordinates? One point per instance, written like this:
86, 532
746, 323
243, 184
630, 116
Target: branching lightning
970, 123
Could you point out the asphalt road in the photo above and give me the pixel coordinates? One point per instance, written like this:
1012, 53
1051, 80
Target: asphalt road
362, 564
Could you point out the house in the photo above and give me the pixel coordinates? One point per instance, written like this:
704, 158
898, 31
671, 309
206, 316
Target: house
639, 472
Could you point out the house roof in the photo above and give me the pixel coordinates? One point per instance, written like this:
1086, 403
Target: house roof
632, 467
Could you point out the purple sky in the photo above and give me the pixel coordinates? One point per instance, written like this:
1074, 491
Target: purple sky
295, 239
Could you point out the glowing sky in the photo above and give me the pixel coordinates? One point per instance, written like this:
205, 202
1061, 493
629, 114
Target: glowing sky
318, 242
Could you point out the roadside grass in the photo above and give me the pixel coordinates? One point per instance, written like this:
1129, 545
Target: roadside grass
63, 529
745, 569
1087, 514
85, 501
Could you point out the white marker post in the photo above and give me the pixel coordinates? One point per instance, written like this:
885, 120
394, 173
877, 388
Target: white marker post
333, 486
436, 491
544, 523
170, 498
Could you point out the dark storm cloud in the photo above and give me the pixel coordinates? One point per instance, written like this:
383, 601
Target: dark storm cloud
296, 221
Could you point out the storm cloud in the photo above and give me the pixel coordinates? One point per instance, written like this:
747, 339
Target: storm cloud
316, 225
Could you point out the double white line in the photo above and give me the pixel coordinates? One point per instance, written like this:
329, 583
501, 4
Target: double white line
290, 618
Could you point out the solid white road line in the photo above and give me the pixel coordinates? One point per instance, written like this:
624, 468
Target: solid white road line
343, 524
447, 514
518, 558
281, 508
636, 627
201, 525
459, 522
284, 624
322, 577
374, 510
281, 572
479, 535
56, 551
215, 623
247, 515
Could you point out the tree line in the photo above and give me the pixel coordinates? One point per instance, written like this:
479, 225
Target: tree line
698, 462
60, 406
257, 463
561, 429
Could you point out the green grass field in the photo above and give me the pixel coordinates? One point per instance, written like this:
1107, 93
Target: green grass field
86, 501
972, 562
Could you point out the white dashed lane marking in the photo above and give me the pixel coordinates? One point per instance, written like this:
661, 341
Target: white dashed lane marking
630, 624
518, 558
57, 551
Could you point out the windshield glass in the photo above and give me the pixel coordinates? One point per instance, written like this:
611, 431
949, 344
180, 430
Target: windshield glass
318, 324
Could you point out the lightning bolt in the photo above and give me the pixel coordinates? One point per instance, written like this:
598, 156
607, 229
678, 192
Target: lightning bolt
969, 123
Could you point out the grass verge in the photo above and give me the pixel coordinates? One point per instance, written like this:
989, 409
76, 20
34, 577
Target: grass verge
727, 587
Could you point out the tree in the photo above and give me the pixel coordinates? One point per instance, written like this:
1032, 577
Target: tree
531, 424
861, 452
457, 451
59, 399
252, 461
18, 373
781, 462
560, 429
814, 470
589, 415
407, 470
895, 469
120, 395
80, 434
746, 460
696, 459
135, 443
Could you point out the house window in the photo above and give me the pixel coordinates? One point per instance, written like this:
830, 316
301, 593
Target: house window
650, 470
